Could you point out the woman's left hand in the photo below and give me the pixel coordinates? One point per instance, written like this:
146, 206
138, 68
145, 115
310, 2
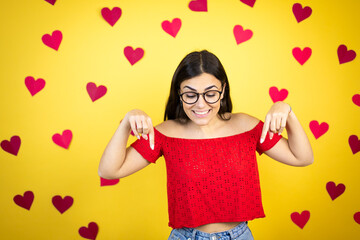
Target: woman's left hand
275, 120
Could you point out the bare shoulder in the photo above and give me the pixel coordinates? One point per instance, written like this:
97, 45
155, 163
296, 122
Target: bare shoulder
246, 121
169, 127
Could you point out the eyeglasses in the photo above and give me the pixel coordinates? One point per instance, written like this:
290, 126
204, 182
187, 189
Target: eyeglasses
211, 96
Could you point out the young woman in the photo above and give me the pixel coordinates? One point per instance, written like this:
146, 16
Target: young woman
212, 175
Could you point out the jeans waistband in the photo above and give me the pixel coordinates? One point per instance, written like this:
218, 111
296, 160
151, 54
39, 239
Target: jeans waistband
233, 233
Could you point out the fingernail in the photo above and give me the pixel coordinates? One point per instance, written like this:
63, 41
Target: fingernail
138, 137
152, 146
261, 140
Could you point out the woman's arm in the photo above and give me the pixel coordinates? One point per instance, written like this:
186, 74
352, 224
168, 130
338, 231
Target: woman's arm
118, 161
294, 151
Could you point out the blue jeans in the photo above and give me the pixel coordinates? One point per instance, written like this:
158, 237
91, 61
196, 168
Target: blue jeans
240, 232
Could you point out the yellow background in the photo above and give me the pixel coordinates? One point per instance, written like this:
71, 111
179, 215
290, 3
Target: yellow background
92, 51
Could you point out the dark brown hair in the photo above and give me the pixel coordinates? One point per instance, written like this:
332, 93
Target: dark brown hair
193, 65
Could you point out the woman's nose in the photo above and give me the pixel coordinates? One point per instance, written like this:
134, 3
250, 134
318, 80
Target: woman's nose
201, 101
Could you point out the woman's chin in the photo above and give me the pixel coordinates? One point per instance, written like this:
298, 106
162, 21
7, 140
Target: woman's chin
200, 121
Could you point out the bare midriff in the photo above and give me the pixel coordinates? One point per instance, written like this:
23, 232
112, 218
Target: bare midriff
217, 227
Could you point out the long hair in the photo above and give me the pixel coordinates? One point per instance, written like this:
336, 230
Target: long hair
194, 64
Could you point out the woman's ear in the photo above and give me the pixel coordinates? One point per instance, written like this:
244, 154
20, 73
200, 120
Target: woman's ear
223, 91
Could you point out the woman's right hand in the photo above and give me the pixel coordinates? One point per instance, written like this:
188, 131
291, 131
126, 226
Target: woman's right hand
140, 123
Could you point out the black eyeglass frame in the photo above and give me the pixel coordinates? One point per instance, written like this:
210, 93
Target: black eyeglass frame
203, 95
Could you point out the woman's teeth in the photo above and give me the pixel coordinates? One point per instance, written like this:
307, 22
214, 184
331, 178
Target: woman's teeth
202, 113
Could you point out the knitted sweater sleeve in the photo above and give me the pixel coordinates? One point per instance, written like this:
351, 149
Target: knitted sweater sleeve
268, 143
142, 146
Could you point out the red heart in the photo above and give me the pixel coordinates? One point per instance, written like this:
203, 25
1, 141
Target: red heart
354, 144
277, 95
318, 130
249, 2
300, 219
34, 86
64, 139
301, 55
51, 1
54, 40
356, 99
11, 146
25, 201
111, 16
357, 217
62, 204
198, 5
300, 12
242, 35
89, 232
95, 92
108, 182
173, 27
345, 55
335, 191
133, 56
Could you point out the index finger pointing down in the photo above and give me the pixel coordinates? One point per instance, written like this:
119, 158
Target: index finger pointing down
151, 135
264, 130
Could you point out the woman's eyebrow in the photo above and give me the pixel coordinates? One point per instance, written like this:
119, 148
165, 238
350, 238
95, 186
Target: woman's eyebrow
204, 89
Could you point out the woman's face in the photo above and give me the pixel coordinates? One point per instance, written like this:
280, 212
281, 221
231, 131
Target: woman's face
201, 112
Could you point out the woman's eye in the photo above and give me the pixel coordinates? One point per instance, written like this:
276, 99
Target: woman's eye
190, 95
211, 94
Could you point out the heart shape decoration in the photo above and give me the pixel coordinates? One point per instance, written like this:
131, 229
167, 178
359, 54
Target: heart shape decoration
89, 232
277, 95
62, 204
356, 99
63, 140
335, 190
249, 2
300, 219
318, 129
52, 2
242, 35
173, 27
354, 144
34, 86
301, 55
11, 146
25, 201
108, 182
301, 13
357, 217
345, 55
95, 92
198, 5
53, 41
111, 16
133, 56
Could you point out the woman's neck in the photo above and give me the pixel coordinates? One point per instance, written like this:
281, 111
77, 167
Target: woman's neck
206, 130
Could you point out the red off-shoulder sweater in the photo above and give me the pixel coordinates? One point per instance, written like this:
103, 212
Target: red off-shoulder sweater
210, 180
